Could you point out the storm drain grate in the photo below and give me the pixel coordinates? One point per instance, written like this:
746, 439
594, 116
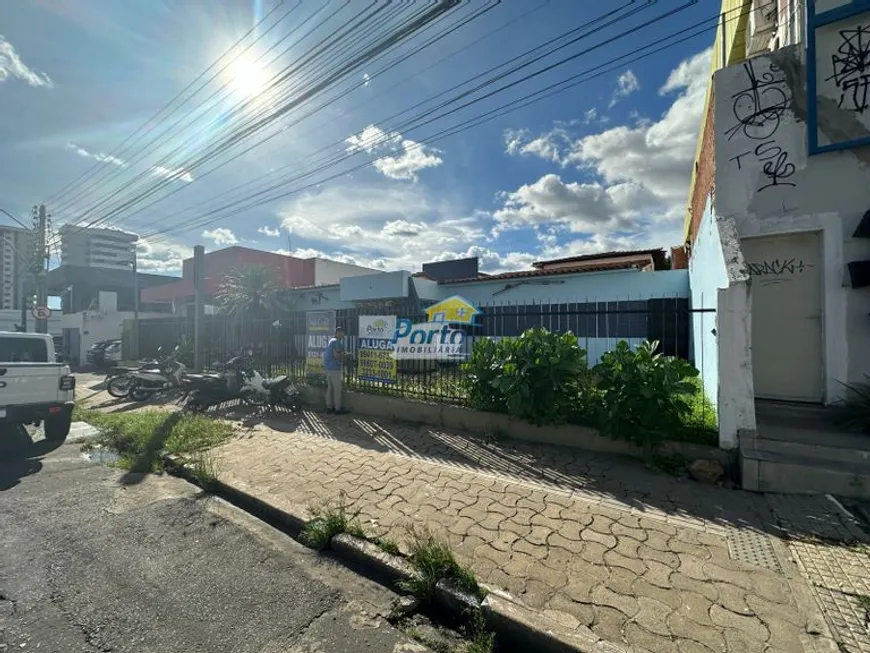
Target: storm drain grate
753, 548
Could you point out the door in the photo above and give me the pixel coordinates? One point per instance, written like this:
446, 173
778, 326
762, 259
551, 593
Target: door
786, 315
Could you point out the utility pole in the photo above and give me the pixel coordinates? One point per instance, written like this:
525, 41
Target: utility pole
134, 340
40, 265
198, 304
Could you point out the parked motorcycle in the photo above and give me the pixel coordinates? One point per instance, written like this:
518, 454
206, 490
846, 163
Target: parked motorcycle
148, 379
239, 380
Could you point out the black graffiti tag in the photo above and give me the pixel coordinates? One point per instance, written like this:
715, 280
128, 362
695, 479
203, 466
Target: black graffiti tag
851, 68
778, 267
759, 109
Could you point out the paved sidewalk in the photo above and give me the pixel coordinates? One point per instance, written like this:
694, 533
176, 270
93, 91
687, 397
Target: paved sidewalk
647, 561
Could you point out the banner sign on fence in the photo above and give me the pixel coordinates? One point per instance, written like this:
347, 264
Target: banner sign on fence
320, 328
434, 338
376, 361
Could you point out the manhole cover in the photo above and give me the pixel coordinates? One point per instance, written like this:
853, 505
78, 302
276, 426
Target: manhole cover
753, 548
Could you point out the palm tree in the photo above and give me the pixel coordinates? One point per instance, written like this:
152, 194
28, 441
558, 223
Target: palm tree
251, 290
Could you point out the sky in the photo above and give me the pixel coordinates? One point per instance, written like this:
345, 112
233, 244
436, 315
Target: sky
337, 129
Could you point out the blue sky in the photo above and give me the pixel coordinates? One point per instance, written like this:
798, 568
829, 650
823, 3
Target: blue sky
604, 165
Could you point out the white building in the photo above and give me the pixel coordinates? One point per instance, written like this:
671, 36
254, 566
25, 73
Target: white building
779, 229
97, 248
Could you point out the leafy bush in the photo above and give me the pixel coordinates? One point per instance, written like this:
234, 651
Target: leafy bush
480, 375
535, 377
644, 396
853, 413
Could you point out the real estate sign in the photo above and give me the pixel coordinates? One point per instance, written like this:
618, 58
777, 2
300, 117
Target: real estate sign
435, 339
320, 328
376, 360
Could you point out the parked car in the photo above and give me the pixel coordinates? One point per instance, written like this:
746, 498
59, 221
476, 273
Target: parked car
112, 353
34, 387
97, 352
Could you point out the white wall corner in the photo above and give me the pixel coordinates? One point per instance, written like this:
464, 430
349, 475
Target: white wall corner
736, 388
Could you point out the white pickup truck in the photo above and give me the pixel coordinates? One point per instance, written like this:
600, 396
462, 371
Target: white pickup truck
34, 386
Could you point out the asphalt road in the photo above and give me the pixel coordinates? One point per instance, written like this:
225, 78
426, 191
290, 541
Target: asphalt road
88, 563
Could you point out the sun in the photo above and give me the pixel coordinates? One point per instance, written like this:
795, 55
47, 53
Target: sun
247, 77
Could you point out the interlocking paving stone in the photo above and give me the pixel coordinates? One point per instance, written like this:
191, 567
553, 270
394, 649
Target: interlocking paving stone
639, 557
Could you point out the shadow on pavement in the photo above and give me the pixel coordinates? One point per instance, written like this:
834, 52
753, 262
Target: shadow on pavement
144, 462
20, 456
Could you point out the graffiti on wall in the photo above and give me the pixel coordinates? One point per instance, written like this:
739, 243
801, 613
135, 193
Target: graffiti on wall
850, 67
778, 270
758, 109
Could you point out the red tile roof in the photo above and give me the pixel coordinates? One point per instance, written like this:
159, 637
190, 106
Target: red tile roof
658, 251
523, 274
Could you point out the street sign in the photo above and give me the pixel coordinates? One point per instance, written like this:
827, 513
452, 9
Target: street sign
41, 312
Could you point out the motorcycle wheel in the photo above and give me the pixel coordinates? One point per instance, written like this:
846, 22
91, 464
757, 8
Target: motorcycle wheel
139, 393
119, 387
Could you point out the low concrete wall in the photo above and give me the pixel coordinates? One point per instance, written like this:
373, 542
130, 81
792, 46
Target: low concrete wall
454, 417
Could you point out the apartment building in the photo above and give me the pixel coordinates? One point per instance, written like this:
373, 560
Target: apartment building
110, 249
16, 249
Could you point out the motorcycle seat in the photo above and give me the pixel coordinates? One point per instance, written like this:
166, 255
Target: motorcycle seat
271, 383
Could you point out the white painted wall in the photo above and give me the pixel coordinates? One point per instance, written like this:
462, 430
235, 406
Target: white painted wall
707, 274
768, 185
95, 326
329, 272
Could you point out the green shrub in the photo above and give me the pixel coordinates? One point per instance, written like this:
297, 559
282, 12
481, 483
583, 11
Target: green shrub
480, 374
644, 396
535, 377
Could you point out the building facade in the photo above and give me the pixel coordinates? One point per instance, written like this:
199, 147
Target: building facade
109, 249
778, 224
16, 251
289, 271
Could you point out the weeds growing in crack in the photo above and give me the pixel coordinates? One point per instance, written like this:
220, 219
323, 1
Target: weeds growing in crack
331, 520
434, 561
480, 638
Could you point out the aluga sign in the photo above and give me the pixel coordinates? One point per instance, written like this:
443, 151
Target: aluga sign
434, 338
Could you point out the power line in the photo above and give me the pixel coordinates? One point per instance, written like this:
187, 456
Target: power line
117, 149
656, 47
383, 45
556, 44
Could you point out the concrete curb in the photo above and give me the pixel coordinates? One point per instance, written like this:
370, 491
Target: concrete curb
509, 619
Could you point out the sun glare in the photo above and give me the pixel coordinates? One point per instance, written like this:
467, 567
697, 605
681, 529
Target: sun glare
247, 77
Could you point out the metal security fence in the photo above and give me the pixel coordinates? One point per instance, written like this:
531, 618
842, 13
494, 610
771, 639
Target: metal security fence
278, 342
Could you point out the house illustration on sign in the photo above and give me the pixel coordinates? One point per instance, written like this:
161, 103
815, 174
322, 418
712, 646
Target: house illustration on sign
453, 310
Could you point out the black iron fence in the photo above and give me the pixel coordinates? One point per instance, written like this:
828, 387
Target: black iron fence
278, 343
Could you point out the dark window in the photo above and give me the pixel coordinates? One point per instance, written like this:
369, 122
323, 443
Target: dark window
23, 350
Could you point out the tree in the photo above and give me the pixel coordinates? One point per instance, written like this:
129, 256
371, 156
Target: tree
251, 290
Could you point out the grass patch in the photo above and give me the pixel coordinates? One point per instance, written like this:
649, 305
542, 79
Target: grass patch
864, 602
386, 545
331, 520
480, 638
140, 438
434, 561
674, 464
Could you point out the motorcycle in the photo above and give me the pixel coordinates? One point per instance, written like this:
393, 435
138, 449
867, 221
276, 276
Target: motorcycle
239, 380
148, 379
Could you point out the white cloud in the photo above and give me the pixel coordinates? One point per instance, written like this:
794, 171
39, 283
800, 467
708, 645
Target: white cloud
410, 156
657, 154
12, 67
626, 84
96, 156
221, 236
160, 257
309, 252
177, 174
546, 146
652, 159
269, 231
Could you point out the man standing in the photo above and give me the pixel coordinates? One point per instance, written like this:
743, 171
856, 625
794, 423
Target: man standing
333, 357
